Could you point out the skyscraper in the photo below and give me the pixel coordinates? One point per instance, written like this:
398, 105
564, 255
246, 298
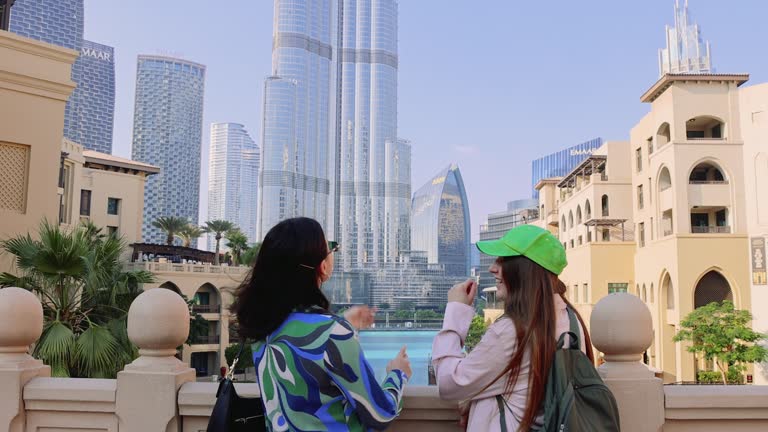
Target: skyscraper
91, 109
330, 127
686, 52
298, 138
561, 163
167, 128
368, 119
233, 178
57, 22
397, 201
440, 221
89, 114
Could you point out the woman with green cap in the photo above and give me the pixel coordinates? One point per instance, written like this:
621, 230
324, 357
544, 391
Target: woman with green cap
514, 356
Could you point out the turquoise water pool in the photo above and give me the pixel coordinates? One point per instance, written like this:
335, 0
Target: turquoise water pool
381, 346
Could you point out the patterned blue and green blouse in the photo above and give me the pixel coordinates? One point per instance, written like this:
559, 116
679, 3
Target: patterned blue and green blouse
313, 376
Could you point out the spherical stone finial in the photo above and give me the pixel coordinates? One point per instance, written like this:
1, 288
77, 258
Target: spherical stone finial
158, 322
21, 320
621, 327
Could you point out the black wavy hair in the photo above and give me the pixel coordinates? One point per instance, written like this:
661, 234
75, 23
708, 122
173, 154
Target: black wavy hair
284, 277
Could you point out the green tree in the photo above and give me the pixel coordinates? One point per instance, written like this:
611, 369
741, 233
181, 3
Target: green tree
249, 256
384, 306
476, 331
188, 234
722, 334
85, 293
219, 228
237, 242
170, 225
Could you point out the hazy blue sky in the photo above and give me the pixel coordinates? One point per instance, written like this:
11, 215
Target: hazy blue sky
489, 84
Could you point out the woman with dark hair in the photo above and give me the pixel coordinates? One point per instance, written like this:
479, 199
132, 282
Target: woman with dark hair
514, 356
310, 368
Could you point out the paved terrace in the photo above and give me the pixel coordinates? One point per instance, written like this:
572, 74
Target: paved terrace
157, 392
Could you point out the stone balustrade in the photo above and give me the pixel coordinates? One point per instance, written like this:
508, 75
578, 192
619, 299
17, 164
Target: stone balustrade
157, 392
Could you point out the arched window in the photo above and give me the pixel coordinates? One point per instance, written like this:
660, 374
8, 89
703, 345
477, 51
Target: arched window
578, 215
645, 294
669, 290
652, 299
662, 135
711, 288
587, 211
665, 180
604, 201
570, 219
562, 223
704, 127
706, 172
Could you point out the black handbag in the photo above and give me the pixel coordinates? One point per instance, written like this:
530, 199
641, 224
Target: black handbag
233, 413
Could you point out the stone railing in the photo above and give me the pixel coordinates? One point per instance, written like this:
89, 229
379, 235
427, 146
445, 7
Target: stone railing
158, 267
157, 392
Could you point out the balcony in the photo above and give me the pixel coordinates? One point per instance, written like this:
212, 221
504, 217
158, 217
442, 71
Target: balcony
206, 309
710, 230
705, 193
552, 218
206, 340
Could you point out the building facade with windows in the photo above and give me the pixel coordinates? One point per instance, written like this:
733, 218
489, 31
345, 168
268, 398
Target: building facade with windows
440, 221
167, 129
91, 112
233, 178
560, 163
102, 189
593, 220
691, 217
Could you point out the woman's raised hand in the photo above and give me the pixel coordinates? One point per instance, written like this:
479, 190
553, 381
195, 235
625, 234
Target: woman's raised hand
464, 292
401, 362
361, 317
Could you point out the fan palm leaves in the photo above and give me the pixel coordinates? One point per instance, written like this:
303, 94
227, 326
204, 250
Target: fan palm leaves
85, 295
170, 225
189, 233
219, 228
237, 242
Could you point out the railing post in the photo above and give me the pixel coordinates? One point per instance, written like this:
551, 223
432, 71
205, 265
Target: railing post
21, 324
622, 329
158, 322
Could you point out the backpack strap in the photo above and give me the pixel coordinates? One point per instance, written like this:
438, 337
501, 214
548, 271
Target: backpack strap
573, 333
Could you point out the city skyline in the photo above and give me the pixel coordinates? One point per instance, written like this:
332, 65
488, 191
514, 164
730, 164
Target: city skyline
470, 122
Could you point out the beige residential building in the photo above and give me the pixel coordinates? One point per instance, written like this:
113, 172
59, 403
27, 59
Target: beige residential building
34, 86
689, 207
753, 105
104, 189
594, 221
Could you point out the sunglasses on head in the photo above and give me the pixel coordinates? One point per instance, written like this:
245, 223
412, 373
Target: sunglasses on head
332, 247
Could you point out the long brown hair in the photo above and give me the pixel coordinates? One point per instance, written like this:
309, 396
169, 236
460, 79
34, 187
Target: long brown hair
530, 304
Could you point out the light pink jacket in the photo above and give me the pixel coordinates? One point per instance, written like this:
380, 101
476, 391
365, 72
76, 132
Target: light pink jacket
461, 377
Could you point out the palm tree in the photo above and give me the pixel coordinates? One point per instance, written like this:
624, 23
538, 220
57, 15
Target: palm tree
237, 242
85, 295
249, 256
170, 225
218, 227
189, 233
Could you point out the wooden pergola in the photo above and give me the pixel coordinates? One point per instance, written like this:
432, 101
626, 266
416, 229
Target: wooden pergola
171, 252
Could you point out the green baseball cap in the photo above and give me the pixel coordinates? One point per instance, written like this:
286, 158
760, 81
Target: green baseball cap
532, 242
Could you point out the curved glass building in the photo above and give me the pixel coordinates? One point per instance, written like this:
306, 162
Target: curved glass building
440, 222
167, 132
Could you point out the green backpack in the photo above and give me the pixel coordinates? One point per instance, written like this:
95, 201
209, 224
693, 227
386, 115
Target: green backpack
576, 398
